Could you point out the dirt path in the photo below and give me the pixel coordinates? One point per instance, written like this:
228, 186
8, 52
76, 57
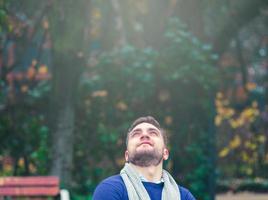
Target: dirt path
242, 196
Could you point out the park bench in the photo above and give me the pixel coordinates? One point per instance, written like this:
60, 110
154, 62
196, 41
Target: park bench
37, 187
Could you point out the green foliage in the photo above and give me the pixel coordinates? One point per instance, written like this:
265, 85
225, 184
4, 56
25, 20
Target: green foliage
23, 131
40, 155
257, 185
3, 15
24, 134
253, 185
28, 140
198, 178
81, 197
173, 84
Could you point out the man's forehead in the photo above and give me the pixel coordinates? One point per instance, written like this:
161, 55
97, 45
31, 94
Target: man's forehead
145, 125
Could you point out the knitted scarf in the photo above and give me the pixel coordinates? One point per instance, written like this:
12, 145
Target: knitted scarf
136, 190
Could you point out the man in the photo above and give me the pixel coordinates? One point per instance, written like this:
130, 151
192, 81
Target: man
143, 176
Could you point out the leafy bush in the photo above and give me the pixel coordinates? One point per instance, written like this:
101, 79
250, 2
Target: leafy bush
240, 185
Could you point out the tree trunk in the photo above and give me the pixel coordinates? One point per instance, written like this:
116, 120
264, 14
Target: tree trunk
63, 144
68, 23
65, 83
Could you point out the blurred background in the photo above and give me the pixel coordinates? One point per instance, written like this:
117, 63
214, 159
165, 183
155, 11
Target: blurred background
75, 74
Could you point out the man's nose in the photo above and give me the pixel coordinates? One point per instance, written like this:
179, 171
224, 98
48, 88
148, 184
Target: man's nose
144, 134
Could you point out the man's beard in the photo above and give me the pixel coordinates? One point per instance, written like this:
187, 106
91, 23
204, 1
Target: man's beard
145, 158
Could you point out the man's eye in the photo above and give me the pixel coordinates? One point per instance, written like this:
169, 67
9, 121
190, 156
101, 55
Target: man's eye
153, 133
135, 134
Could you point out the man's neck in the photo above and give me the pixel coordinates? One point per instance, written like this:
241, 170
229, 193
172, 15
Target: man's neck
151, 173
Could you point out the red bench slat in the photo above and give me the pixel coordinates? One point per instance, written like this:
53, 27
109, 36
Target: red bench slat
29, 181
29, 186
29, 191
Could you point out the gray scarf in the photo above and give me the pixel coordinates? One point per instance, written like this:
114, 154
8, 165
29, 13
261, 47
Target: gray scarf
136, 190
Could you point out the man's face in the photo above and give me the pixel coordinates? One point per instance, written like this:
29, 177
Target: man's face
146, 146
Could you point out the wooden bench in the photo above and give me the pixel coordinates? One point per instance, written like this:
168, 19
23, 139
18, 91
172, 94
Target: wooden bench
36, 186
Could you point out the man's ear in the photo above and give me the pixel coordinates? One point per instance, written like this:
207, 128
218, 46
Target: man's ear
165, 154
126, 155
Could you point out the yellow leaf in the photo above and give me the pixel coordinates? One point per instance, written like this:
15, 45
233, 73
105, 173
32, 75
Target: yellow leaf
218, 120
224, 152
21, 162
220, 110
32, 168
229, 112
43, 69
261, 138
245, 157
248, 113
100, 93
218, 103
24, 88
219, 95
45, 24
121, 105
234, 124
249, 171
240, 121
168, 120
250, 145
236, 142
251, 86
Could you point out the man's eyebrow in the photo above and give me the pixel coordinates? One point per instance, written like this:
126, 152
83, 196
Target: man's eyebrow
137, 129
153, 129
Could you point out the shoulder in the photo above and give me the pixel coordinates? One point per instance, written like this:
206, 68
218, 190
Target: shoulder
185, 194
116, 179
112, 188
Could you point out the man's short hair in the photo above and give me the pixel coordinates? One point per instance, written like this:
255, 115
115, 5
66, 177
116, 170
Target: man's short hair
149, 120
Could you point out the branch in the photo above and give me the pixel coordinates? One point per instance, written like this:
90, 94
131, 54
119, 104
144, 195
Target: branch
239, 19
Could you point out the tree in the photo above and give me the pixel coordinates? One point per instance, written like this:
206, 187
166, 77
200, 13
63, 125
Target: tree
68, 21
97, 63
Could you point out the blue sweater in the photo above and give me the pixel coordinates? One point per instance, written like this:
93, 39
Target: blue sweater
113, 188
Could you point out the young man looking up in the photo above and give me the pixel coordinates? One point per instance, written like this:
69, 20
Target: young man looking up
143, 176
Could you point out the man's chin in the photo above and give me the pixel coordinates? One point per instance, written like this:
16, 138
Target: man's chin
145, 150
